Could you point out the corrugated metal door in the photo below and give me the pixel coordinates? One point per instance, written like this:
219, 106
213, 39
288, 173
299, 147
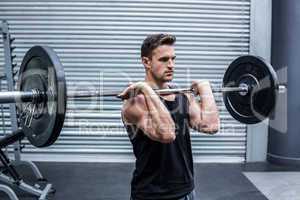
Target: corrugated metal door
98, 43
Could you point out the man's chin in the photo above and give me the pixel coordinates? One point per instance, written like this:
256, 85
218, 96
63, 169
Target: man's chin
168, 80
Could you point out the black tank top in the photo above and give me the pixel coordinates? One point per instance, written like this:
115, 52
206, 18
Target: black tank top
163, 171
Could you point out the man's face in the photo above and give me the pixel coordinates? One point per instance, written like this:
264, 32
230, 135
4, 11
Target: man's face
161, 65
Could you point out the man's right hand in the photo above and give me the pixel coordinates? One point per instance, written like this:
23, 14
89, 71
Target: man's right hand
133, 89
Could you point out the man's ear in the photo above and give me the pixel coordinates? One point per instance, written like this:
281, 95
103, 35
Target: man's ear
146, 62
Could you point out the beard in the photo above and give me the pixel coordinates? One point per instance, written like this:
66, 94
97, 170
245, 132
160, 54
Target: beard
161, 78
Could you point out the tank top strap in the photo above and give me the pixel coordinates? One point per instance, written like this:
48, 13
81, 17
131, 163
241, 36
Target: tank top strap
183, 104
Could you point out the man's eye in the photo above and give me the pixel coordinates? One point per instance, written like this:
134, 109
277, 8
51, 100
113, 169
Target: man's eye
164, 59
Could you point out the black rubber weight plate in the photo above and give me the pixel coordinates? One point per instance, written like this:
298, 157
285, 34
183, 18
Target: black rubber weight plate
260, 101
41, 69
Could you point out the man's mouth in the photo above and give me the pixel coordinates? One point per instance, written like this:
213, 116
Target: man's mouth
169, 72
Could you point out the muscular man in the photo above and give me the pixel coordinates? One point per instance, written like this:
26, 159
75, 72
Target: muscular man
158, 126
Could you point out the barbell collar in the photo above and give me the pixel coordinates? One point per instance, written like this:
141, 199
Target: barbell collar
282, 88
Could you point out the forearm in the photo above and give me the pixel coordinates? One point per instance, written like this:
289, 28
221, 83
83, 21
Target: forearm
207, 104
208, 120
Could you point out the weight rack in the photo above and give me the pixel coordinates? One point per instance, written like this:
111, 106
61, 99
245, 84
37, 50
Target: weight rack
14, 179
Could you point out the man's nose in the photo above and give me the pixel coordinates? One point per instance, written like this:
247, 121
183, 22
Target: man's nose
171, 64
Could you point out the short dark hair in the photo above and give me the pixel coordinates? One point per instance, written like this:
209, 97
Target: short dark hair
155, 40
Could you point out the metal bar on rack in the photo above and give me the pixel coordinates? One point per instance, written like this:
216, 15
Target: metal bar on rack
10, 83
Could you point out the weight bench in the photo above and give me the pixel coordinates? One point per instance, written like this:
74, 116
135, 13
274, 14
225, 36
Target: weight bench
10, 176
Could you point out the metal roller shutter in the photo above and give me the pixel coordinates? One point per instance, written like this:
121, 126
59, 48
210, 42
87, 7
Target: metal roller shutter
98, 43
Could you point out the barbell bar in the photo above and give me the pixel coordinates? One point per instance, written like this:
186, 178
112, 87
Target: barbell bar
83, 94
36, 96
250, 88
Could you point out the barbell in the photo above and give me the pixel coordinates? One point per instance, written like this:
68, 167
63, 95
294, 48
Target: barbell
250, 88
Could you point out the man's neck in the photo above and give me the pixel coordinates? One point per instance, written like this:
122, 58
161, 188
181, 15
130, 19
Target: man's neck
155, 84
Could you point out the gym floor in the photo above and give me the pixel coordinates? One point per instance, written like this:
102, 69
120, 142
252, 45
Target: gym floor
111, 181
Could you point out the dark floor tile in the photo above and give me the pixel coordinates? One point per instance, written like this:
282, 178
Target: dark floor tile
111, 181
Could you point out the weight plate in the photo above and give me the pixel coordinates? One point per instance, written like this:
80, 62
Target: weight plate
42, 122
262, 81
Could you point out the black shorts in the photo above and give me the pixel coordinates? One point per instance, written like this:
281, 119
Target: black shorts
190, 196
